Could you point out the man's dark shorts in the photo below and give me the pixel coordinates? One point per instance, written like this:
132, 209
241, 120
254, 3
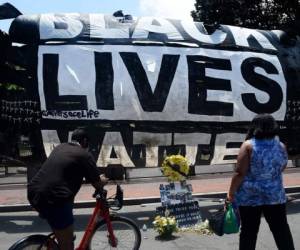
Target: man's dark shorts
58, 216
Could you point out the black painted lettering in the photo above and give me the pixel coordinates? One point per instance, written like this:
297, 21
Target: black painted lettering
104, 81
151, 102
263, 83
52, 98
199, 83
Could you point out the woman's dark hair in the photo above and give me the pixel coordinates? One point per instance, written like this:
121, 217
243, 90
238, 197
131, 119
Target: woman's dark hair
263, 126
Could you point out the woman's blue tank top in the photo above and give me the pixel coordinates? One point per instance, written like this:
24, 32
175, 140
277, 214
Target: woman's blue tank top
263, 184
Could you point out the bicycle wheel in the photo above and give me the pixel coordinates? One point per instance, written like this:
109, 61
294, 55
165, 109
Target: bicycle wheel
127, 234
34, 242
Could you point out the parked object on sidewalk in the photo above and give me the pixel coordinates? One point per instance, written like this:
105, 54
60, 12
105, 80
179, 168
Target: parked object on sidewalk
226, 220
216, 221
144, 228
231, 219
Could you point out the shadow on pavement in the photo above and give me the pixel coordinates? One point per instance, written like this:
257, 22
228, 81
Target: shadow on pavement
20, 223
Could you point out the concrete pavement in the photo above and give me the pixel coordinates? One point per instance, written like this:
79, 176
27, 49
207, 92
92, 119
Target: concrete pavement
15, 225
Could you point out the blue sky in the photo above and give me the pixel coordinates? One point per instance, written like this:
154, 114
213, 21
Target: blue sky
167, 8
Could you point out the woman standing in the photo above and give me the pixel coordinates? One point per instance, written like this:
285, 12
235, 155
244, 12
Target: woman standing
257, 185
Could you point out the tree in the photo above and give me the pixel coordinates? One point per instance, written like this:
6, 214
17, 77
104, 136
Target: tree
16, 81
257, 14
12, 68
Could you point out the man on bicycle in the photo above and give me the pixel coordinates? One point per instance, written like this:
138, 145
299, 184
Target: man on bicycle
52, 190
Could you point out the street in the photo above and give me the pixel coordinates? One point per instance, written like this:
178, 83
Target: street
14, 226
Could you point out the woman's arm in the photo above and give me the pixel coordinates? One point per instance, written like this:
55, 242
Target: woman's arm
242, 166
286, 154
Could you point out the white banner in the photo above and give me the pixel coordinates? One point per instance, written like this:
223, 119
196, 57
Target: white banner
158, 83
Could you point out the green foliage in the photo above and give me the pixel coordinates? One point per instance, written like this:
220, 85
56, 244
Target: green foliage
10, 86
257, 14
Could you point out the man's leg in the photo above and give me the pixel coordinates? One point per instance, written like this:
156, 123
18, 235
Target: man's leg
250, 221
65, 238
60, 218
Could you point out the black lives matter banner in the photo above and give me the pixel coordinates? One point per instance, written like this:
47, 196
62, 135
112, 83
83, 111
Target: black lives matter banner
157, 86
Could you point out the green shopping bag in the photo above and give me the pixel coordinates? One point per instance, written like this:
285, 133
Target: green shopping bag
231, 220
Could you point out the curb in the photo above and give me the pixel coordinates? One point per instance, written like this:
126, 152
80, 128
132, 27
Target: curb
214, 196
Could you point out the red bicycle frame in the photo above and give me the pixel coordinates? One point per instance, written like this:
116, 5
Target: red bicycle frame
101, 211
101, 214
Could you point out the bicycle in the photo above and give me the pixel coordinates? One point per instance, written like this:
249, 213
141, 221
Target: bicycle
104, 230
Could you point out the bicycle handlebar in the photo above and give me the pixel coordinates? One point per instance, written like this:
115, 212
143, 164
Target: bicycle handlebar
100, 194
115, 203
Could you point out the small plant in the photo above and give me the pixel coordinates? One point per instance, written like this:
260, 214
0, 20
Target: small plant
165, 226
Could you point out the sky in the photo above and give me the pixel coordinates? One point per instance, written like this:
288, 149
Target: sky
179, 9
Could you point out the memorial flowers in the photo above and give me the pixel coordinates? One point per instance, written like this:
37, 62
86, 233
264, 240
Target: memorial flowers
175, 168
165, 225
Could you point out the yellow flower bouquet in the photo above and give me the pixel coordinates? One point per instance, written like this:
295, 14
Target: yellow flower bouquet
175, 168
165, 226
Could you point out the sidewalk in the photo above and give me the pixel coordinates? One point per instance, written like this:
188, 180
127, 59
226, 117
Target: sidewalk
13, 197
